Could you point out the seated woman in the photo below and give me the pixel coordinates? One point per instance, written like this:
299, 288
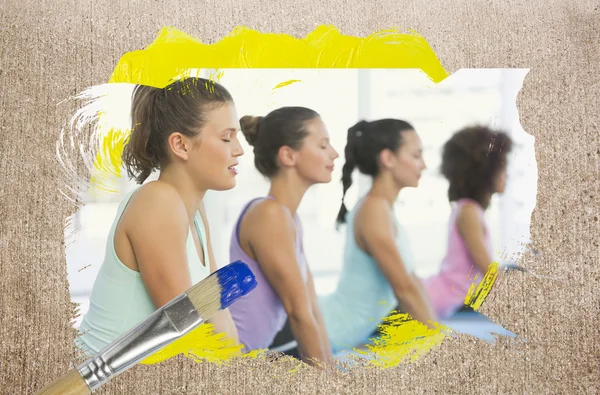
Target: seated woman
291, 148
376, 273
159, 244
474, 163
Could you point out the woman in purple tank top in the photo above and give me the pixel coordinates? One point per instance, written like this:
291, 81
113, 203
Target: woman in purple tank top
474, 163
291, 148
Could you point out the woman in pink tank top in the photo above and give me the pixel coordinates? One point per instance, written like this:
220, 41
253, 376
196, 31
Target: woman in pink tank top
291, 148
474, 163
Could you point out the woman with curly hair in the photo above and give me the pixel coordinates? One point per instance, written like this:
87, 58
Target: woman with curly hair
474, 163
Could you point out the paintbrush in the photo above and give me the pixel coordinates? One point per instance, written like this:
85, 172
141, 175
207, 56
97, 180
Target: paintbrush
169, 323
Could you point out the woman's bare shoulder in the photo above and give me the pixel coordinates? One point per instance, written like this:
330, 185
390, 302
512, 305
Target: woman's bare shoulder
157, 199
374, 208
269, 210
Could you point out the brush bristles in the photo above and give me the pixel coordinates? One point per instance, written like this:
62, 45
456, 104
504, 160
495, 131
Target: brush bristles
206, 296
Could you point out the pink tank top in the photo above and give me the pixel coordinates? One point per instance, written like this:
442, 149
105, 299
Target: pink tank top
448, 289
259, 315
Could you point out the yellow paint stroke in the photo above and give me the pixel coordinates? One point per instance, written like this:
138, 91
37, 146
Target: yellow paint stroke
107, 163
199, 344
174, 54
285, 83
478, 293
404, 339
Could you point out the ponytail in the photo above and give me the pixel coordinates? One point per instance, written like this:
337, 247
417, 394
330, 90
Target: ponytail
354, 133
138, 153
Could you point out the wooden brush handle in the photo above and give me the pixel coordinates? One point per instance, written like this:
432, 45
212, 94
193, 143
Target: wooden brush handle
70, 384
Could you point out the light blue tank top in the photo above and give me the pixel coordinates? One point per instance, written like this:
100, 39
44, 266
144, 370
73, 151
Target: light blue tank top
119, 299
363, 296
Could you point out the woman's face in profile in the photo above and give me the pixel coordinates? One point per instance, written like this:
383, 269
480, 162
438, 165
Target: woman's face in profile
317, 155
410, 163
214, 158
500, 181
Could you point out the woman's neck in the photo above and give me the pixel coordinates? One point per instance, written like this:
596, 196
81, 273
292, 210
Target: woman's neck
288, 189
386, 187
190, 194
485, 202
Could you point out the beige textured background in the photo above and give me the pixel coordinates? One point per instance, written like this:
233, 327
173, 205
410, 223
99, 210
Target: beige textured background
51, 50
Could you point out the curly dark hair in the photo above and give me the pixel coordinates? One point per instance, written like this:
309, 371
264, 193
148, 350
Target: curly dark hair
471, 161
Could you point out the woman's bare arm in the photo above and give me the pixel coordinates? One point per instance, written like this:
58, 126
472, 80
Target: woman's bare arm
319, 316
157, 227
377, 232
470, 228
424, 295
272, 239
158, 241
222, 320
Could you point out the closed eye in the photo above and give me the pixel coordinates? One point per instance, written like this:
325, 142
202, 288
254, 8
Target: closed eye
227, 134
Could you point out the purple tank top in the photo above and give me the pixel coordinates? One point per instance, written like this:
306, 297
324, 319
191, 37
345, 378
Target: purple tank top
259, 315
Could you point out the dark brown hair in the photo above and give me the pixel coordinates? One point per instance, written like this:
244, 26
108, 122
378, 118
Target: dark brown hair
285, 126
471, 161
364, 143
156, 113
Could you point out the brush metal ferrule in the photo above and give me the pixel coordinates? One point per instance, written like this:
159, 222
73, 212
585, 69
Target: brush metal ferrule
166, 324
